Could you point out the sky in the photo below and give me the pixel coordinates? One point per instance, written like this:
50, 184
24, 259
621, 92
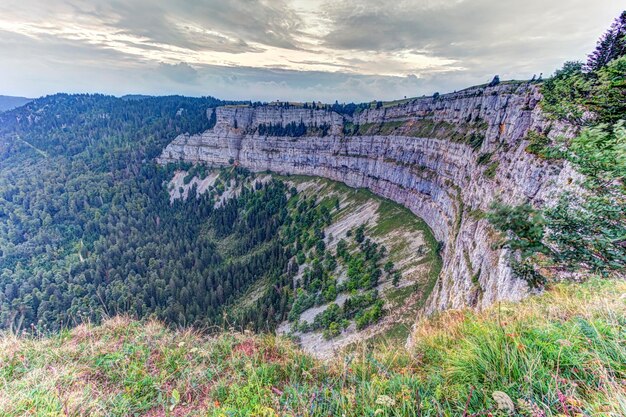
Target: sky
298, 50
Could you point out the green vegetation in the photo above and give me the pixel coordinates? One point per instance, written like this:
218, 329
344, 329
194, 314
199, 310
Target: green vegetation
319, 285
571, 92
587, 230
471, 132
539, 145
199, 170
88, 230
524, 223
490, 171
292, 129
562, 353
564, 93
525, 229
584, 230
484, 158
85, 223
338, 269
599, 86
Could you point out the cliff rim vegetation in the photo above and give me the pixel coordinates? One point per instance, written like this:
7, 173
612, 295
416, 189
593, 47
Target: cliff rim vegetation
559, 354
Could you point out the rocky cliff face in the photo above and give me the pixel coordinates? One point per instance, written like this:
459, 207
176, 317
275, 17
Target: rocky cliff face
445, 158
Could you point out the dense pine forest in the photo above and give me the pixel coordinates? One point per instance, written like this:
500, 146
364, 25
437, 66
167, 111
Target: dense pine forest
86, 227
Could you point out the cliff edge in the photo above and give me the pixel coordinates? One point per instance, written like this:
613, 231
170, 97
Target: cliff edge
447, 158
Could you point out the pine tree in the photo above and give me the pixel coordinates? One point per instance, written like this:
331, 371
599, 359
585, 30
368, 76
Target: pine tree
611, 45
495, 81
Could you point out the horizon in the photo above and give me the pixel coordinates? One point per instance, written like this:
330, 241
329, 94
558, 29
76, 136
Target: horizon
265, 102
287, 50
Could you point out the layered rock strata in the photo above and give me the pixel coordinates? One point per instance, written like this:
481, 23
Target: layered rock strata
446, 158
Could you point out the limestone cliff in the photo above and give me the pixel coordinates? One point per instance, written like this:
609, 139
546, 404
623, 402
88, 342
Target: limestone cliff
446, 158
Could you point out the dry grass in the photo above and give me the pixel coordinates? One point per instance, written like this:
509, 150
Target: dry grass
562, 353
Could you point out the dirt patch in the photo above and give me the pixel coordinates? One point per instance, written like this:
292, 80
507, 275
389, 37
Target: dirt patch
248, 347
309, 315
178, 182
352, 218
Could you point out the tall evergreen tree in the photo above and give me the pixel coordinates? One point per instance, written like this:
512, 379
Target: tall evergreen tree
611, 45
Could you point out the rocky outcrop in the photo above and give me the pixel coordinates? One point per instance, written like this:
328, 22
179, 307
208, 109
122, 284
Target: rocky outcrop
446, 158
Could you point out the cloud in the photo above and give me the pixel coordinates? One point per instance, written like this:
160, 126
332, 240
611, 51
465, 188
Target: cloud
353, 50
494, 36
216, 25
181, 72
276, 84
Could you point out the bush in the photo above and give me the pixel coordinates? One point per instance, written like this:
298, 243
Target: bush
490, 171
564, 93
539, 145
526, 225
476, 140
608, 99
484, 158
526, 270
600, 153
370, 315
333, 330
588, 232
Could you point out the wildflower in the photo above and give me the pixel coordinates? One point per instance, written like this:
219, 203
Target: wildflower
385, 400
564, 342
503, 402
530, 408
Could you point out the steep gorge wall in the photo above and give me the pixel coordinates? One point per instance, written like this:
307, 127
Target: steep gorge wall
421, 153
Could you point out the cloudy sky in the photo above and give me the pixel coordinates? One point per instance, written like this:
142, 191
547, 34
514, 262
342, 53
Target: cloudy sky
350, 50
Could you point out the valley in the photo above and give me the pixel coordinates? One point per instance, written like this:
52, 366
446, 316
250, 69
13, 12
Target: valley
454, 254
410, 261
442, 158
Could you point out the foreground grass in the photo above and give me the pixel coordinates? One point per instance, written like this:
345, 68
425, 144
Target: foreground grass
562, 353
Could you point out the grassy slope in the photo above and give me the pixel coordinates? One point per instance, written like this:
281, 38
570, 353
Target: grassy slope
392, 218
562, 353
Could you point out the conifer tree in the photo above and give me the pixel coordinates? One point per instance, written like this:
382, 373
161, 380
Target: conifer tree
611, 45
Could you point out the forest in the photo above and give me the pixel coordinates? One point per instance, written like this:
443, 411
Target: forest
87, 231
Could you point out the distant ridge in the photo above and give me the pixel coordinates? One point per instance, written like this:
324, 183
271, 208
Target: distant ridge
130, 97
9, 102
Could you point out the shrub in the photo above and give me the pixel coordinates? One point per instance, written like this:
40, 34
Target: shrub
484, 158
600, 153
564, 93
588, 232
490, 171
608, 98
525, 224
539, 145
476, 140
